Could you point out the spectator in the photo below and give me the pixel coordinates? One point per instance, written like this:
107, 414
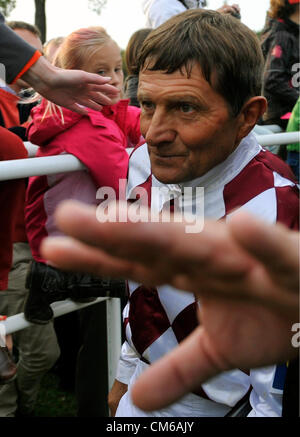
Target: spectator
293, 149
51, 47
197, 129
131, 59
14, 110
159, 11
18, 59
99, 140
36, 347
282, 56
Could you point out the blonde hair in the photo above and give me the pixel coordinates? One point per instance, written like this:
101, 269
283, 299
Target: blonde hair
80, 46
54, 42
77, 49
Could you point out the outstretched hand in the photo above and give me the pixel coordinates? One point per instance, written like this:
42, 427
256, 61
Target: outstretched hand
244, 259
230, 9
245, 272
73, 89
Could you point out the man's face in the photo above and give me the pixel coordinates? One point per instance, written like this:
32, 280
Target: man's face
185, 123
30, 38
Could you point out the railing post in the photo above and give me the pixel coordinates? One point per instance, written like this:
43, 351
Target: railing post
113, 321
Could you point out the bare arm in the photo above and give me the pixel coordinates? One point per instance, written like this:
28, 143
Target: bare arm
73, 89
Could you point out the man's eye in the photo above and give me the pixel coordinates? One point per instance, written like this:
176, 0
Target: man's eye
186, 107
148, 106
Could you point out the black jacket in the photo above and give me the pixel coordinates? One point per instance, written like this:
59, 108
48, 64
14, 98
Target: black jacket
281, 86
15, 53
130, 90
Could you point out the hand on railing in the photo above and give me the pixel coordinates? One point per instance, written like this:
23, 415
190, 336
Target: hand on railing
8, 338
8, 368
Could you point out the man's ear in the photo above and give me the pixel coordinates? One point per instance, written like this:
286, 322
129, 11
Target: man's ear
250, 113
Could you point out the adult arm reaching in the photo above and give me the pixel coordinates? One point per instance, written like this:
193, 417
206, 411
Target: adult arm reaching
70, 88
73, 89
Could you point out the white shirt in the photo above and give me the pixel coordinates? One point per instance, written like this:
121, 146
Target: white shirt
159, 11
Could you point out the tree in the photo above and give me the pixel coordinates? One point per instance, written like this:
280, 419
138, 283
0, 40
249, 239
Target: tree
40, 13
40, 18
6, 6
97, 5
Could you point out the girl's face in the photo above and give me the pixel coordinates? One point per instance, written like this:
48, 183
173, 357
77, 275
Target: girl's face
107, 62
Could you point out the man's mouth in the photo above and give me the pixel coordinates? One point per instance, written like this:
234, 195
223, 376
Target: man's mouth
173, 155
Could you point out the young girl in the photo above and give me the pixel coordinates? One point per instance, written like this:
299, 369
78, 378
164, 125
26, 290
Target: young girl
99, 140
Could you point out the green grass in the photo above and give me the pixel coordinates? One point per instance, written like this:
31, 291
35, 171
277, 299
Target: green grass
53, 401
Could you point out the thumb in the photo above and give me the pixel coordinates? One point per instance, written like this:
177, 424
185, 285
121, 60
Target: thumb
176, 374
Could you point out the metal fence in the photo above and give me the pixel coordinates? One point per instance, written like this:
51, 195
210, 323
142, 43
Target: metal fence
113, 324
22, 168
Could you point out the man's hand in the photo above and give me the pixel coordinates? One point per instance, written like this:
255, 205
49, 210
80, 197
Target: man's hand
117, 391
230, 9
244, 259
245, 272
73, 89
231, 336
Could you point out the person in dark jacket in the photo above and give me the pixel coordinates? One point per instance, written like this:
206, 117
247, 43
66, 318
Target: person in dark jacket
281, 50
16, 99
131, 58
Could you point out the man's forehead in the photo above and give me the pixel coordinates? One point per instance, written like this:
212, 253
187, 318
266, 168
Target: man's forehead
168, 83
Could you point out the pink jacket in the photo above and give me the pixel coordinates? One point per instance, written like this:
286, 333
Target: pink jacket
98, 139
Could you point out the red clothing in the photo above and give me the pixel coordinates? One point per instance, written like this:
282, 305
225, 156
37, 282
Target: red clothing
9, 108
98, 139
12, 195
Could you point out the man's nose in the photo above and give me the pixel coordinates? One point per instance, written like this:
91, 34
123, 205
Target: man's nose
160, 130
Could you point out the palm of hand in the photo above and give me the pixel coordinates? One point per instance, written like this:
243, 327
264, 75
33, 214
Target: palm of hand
242, 335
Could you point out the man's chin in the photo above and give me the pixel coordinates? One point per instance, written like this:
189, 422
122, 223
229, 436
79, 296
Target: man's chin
168, 177
168, 171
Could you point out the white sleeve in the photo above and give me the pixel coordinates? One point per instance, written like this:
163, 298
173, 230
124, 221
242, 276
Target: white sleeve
159, 11
127, 363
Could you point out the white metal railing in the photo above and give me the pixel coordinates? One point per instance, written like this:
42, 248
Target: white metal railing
113, 323
281, 138
23, 168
